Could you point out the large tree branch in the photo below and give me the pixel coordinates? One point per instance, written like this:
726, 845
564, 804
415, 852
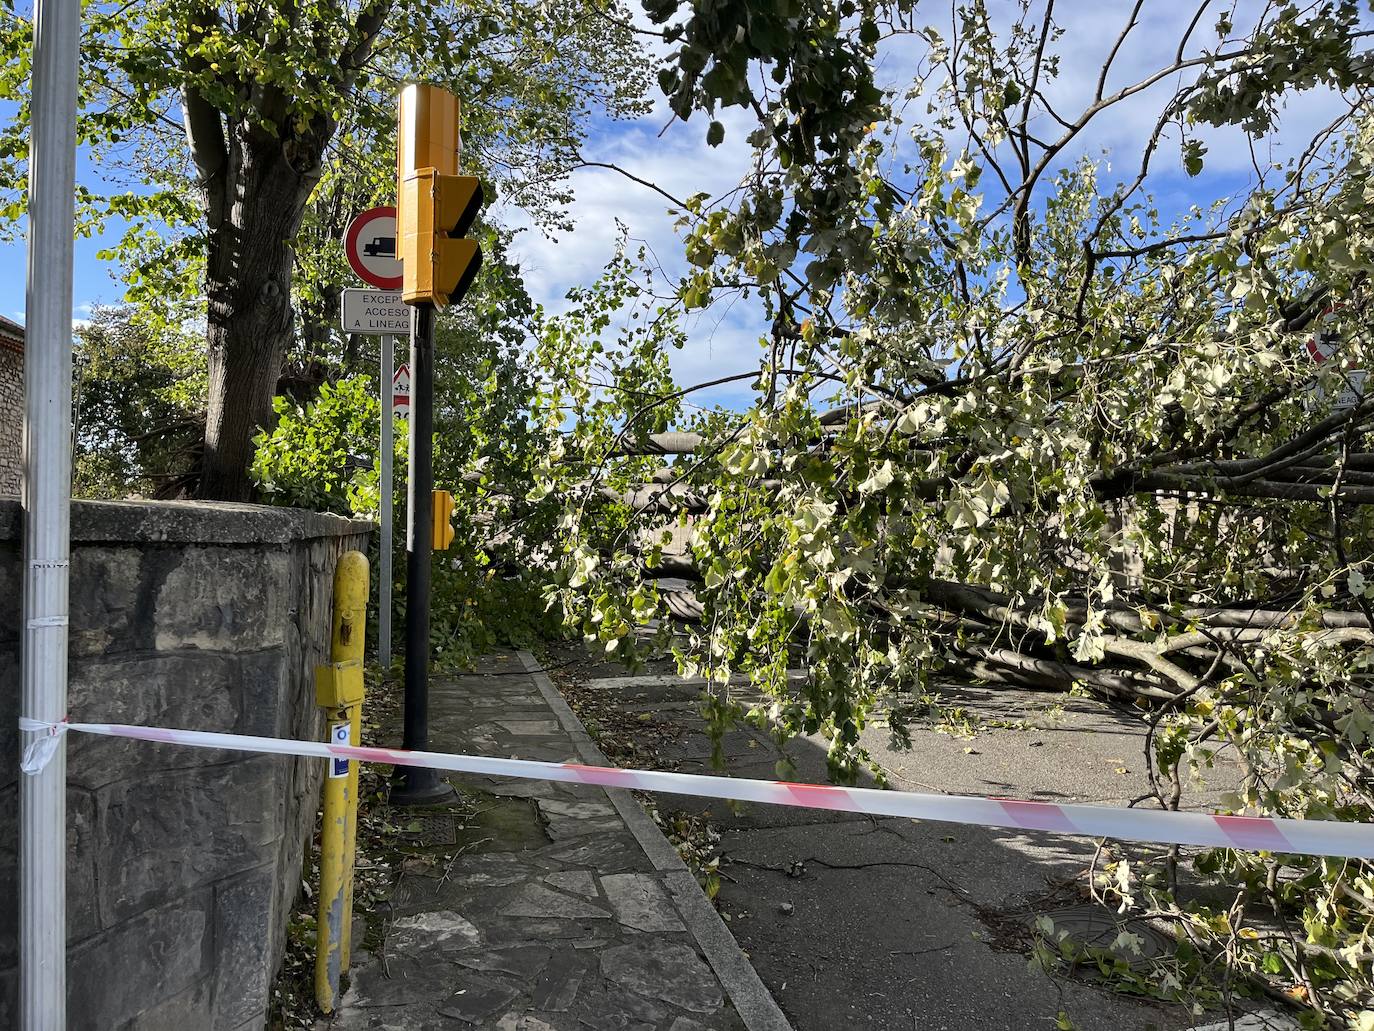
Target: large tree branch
204, 127
368, 25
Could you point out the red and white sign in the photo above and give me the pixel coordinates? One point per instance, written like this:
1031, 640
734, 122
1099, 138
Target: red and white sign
400, 391
1322, 348
370, 245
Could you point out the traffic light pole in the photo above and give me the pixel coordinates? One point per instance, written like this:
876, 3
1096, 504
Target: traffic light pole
419, 786
434, 208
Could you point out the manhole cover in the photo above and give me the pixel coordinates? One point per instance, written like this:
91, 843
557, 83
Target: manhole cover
1098, 928
433, 831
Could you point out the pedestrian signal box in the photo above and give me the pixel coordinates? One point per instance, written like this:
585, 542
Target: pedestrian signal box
443, 520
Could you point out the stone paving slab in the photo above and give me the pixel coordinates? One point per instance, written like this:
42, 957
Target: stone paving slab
563, 921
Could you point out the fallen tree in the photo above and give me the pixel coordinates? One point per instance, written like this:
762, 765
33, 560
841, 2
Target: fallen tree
1012, 422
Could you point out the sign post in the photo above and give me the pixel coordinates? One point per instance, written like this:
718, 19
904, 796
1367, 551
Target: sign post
385, 494
370, 246
47, 512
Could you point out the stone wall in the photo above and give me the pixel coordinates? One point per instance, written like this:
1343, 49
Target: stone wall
182, 863
11, 418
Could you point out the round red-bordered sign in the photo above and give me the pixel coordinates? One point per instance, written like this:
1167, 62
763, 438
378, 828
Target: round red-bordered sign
370, 245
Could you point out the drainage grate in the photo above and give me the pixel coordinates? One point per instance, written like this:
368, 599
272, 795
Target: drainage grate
433, 831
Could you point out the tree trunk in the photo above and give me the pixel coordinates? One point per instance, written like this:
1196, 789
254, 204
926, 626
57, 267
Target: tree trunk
249, 320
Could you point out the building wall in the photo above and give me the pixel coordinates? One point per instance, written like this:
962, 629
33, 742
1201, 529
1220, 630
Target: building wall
182, 863
11, 418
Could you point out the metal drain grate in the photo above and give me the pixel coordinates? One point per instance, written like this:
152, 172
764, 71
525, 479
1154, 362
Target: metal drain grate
433, 831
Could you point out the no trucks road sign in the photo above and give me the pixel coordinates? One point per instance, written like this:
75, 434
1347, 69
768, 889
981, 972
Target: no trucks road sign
370, 245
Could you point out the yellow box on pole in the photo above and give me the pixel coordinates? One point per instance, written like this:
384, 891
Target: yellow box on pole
339, 684
441, 526
339, 690
434, 205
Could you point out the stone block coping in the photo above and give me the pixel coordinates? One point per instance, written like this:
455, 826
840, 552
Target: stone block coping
187, 522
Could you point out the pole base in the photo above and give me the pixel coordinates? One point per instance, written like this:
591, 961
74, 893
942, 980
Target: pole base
421, 787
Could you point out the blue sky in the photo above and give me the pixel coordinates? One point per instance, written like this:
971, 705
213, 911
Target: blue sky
725, 339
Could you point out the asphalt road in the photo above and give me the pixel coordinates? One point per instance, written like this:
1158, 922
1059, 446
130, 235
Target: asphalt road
884, 923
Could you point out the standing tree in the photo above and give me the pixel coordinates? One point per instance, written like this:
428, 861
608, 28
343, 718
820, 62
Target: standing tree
139, 405
227, 118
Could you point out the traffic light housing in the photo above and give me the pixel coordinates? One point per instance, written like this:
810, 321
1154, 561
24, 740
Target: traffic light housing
442, 524
435, 206
438, 263
427, 131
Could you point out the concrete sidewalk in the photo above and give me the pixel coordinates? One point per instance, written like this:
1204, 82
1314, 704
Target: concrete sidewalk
562, 907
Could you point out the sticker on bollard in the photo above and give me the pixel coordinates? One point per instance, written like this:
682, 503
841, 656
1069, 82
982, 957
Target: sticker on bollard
339, 735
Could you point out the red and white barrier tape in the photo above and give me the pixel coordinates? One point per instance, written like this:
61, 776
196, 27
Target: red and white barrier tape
1258, 833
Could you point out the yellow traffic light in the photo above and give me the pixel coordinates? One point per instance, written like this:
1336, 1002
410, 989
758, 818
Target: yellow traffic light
427, 131
443, 520
434, 206
438, 263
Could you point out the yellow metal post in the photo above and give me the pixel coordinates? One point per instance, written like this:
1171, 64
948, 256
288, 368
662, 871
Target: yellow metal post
350, 839
339, 690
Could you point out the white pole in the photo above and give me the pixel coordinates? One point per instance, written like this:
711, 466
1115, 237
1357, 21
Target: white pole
387, 494
47, 502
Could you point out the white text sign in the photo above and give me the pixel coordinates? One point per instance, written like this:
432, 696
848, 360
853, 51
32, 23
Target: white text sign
375, 313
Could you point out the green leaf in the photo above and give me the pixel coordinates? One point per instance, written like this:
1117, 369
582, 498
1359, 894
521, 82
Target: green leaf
1192, 157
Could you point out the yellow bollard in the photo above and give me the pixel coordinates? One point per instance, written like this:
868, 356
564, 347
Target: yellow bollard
339, 690
351, 840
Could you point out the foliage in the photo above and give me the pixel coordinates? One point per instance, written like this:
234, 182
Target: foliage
606, 362
139, 403
1014, 420
485, 591
236, 140
307, 461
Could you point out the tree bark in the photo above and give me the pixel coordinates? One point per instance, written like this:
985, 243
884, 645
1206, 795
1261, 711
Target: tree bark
249, 317
255, 179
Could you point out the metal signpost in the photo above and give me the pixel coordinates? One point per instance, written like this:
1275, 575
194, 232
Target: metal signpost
47, 511
370, 245
385, 496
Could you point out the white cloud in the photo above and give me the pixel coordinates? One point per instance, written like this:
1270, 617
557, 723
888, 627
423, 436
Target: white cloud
722, 340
